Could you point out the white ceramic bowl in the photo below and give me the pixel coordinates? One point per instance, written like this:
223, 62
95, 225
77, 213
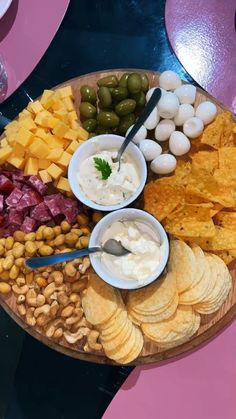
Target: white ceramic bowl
93, 146
130, 214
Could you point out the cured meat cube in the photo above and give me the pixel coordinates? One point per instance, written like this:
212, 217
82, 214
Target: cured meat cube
1, 202
41, 213
28, 225
2, 218
70, 210
6, 184
54, 203
15, 217
18, 177
29, 199
14, 197
37, 184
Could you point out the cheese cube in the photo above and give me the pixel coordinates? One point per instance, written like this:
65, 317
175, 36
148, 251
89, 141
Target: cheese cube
41, 133
63, 184
60, 129
19, 150
57, 105
62, 114
5, 152
43, 163
31, 167
53, 141
65, 91
45, 96
35, 107
66, 143
28, 123
49, 121
74, 124
11, 139
72, 147
23, 137
71, 134
12, 127
16, 161
64, 159
69, 105
55, 154
4, 142
54, 171
82, 134
45, 177
72, 116
38, 148
26, 114
40, 116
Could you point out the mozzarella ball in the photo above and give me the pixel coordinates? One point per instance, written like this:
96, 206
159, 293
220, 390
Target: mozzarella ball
186, 93
185, 112
179, 144
139, 136
206, 111
150, 92
163, 164
153, 119
150, 149
193, 127
169, 80
164, 129
168, 105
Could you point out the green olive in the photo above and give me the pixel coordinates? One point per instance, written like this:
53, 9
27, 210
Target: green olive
108, 119
90, 124
125, 107
120, 93
108, 81
104, 97
139, 98
87, 110
134, 83
145, 82
123, 80
105, 108
103, 130
125, 122
88, 94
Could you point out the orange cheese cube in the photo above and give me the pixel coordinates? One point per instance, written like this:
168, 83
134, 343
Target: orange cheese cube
38, 148
65, 91
31, 167
25, 114
35, 107
28, 123
49, 121
40, 116
63, 184
72, 147
55, 154
53, 141
74, 124
54, 171
60, 129
11, 139
62, 114
45, 96
82, 134
23, 137
4, 142
57, 105
72, 116
16, 161
43, 163
69, 105
45, 177
19, 150
64, 159
71, 134
5, 152
41, 133
12, 127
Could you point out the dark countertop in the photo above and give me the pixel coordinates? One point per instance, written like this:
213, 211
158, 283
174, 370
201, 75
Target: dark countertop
36, 382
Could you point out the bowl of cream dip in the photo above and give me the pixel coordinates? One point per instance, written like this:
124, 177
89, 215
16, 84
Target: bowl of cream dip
143, 236
95, 179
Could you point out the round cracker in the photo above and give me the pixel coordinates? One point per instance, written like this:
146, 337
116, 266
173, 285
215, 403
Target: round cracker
153, 318
182, 262
135, 352
115, 326
114, 343
123, 350
178, 342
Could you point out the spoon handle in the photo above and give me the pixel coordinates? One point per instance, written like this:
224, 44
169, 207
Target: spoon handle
142, 118
40, 262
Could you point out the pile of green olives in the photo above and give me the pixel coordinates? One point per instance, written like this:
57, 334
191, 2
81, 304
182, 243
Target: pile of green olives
114, 107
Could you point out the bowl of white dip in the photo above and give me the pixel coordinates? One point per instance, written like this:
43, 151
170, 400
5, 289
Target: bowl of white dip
95, 179
143, 236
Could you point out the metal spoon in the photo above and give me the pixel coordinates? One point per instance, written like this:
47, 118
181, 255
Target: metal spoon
140, 121
111, 246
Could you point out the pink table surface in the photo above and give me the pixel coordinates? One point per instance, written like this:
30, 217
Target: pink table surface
26, 31
202, 385
202, 34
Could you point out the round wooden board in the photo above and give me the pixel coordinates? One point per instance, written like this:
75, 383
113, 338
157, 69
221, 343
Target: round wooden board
210, 325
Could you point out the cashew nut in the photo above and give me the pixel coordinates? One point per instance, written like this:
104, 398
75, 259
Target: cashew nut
29, 316
74, 319
81, 323
21, 309
42, 320
74, 337
75, 298
80, 285
52, 326
67, 311
57, 277
54, 308
20, 281
34, 300
45, 309
92, 340
20, 290
62, 298
4, 288
85, 265
20, 299
58, 333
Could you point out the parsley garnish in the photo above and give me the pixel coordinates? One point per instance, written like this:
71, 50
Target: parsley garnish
103, 167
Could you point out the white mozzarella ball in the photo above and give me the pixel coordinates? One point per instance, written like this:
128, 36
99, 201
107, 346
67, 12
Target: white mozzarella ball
185, 112
150, 149
150, 92
164, 129
153, 119
141, 134
193, 127
186, 93
168, 105
169, 80
163, 164
179, 144
206, 111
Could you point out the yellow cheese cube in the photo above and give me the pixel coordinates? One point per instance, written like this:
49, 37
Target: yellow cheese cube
43, 163
82, 134
66, 143
55, 154
28, 123
35, 107
31, 167
41, 133
49, 121
62, 114
60, 129
69, 105
4, 142
57, 105
16, 161
26, 113
39, 148
11, 139
72, 147
45, 177
72, 116
5, 152
45, 96
40, 116
74, 124
19, 150
65, 91
71, 134
64, 159
12, 127
23, 137
53, 141
54, 171
63, 184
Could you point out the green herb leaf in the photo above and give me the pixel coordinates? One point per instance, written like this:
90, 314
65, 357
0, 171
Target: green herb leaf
103, 167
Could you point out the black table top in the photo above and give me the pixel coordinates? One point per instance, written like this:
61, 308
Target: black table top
35, 381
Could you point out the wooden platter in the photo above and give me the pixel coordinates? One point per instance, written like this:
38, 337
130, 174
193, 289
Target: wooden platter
210, 324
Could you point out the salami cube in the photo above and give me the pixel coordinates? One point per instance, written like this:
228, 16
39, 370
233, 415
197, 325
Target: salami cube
6, 184
41, 213
15, 217
54, 203
70, 210
1, 202
2, 219
26, 188
10, 230
28, 225
18, 177
14, 197
29, 199
37, 184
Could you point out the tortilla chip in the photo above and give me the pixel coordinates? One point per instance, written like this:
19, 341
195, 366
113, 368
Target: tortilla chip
224, 239
213, 132
227, 158
227, 138
182, 172
206, 160
190, 228
226, 219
